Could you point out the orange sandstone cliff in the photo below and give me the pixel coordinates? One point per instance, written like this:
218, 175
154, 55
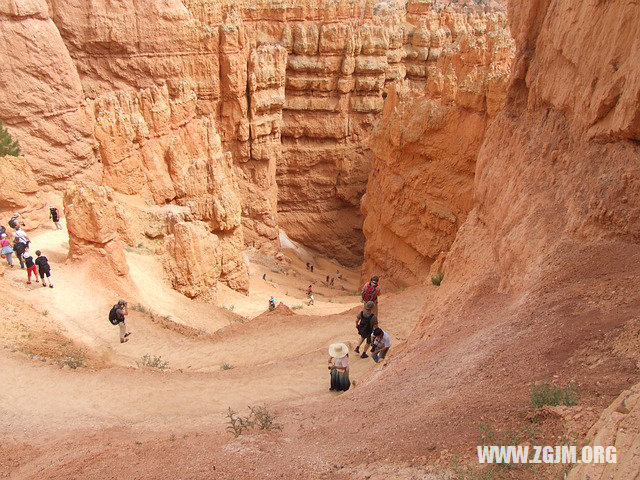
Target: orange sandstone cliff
245, 118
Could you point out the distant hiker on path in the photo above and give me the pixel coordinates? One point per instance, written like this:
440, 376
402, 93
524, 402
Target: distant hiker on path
312, 300
264, 277
339, 367
7, 249
308, 266
371, 292
272, 304
31, 266
332, 280
366, 322
43, 268
117, 317
381, 344
20, 236
55, 217
327, 279
14, 222
311, 267
18, 248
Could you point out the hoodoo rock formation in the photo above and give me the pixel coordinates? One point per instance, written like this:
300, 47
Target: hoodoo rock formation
92, 221
289, 92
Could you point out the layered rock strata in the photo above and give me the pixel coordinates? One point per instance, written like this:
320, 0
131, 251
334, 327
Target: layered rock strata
424, 149
157, 99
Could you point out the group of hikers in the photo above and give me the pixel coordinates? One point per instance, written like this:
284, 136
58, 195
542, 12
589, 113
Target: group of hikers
21, 247
370, 334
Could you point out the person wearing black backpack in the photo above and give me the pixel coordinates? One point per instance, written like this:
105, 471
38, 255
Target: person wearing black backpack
117, 317
366, 321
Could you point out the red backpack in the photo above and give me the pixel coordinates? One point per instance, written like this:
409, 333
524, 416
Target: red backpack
370, 292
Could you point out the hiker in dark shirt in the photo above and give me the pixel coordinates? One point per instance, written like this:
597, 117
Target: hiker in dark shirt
18, 248
44, 269
366, 322
55, 217
14, 222
117, 317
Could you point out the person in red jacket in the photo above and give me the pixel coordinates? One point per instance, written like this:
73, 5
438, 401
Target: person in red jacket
371, 293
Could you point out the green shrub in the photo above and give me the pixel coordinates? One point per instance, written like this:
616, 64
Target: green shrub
237, 424
153, 362
138, 307
72, 361
259, 416
547, 394
437, 279
263, 418
8, 146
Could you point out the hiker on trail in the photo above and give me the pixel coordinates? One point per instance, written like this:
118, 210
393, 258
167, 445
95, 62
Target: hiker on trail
264, 277
311, 268
14, 222
43, 268
117, 317
327, 279
7, 250
309, 290
272, 303
311, 299
371, 292
332, 280
55, 216
308, 266
18, 248
366, 322
20, 236
339, 367
30, 264
381, 344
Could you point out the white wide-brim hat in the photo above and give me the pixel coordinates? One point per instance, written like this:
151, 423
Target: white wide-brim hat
338, 350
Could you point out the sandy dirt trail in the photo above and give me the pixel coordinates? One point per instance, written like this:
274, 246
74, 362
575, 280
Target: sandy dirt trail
276, 358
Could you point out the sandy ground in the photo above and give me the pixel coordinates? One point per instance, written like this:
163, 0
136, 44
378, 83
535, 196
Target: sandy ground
275, 358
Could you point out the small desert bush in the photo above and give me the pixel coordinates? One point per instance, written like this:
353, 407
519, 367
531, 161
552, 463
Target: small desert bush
138, 307
437, 279
259, 417
153, 362
263, 418
237, 424
296, 307
230, 308
547, 394
226, 366
469, 472
8, 146
72, 361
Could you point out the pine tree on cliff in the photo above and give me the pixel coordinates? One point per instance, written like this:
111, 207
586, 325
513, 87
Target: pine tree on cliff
8, 146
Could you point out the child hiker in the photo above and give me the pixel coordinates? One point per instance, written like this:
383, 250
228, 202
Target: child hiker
31, 266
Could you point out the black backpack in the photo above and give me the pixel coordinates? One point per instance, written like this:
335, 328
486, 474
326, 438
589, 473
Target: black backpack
365, 322
113, 318
13, 223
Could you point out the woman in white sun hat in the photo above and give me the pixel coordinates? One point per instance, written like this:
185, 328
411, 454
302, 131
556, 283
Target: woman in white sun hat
339, 367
